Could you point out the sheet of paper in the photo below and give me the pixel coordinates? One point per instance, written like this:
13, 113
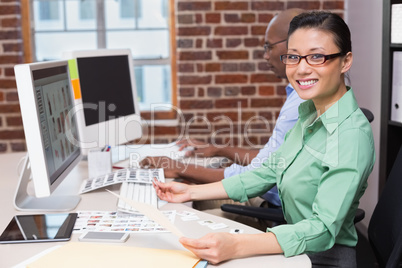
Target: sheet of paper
80, 254
152, 213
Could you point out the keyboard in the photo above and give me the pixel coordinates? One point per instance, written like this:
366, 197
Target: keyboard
142, 190
136, 185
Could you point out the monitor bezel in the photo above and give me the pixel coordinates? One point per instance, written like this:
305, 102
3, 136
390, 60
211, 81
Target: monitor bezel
32, 127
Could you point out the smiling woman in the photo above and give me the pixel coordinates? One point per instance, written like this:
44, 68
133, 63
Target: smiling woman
320, 170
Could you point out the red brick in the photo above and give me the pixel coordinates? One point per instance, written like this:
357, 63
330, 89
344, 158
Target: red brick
230, 42
184, 43
3, 147
267, 5
212, 67
260, 78
334, 5
251, 42
195, 55
7, 83
200, 67
193, 31
248, 17
185, 67
213, 18
14, 121
266, 90
263, 66
247, 67
232, 55
247, 115
265, 18
9, 35
217, 117
273, 102
304, 4
185, 19
198, 18
1, 96
232, 91
258, 30
266, 115
230, 79
160, 130
198, 43
195, 104
231, 103
214, 92
201, 92
10, 23
10, 10
248, 90
12, 96
230, 5
191, 6
7, 59
18, 146
230, 67
232, 18
281, 90
12, 134
186, 92
231, 30
195, 80
9, 71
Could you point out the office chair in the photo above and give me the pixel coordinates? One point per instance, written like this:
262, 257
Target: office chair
385, 227
275, 215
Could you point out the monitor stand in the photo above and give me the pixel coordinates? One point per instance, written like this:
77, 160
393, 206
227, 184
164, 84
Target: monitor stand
25, 202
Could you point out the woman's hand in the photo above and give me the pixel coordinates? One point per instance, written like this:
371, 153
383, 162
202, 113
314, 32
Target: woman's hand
213, 247
173, 192
218, 247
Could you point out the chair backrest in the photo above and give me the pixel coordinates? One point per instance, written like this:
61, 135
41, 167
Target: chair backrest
385, 227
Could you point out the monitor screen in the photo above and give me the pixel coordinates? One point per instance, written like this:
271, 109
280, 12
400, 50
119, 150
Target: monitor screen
54, 104
105, 97
105, 81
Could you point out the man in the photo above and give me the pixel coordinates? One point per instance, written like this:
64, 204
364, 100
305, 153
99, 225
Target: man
248, 159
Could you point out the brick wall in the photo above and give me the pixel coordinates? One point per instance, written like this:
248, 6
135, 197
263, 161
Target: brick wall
225, 93
11, 131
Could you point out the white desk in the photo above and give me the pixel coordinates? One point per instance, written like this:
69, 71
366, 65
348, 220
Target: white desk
12, 254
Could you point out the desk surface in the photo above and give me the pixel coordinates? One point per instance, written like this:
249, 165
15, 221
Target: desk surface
12, 254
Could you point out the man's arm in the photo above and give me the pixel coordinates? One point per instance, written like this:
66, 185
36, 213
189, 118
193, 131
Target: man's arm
176, 169
240, 156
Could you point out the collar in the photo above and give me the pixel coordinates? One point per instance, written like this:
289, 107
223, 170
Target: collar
335, 115
289, 89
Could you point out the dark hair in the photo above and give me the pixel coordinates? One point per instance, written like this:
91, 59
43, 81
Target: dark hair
325, 21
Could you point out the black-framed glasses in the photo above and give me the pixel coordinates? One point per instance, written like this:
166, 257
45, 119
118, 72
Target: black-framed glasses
268, 46
312, 59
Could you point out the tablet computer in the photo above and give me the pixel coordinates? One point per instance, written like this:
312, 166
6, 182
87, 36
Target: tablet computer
39, 228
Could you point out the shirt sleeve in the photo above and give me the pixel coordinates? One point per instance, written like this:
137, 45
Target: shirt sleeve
339, 189
251, 183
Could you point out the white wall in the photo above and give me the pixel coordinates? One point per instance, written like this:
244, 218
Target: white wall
364, 18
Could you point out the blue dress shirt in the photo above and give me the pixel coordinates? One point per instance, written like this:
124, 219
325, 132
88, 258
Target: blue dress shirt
287, 118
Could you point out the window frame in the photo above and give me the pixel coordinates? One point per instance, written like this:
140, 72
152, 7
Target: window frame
28, 49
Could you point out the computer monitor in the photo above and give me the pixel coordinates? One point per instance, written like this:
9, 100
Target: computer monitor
46, 103
105, 97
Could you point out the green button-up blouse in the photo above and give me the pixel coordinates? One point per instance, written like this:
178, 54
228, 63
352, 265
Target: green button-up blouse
321, 171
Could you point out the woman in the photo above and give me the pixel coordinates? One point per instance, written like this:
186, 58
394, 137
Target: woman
321, 169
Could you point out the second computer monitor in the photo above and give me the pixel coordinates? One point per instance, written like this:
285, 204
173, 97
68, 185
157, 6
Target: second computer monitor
105, 95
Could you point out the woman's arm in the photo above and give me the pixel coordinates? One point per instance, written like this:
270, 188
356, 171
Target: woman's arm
176, 192
218, 247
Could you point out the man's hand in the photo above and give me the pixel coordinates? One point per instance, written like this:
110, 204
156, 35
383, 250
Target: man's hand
172, 168
201, 149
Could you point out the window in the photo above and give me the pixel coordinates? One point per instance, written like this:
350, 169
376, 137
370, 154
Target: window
141, 25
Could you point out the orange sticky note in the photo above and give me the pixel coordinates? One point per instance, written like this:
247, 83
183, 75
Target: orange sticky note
76, 88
